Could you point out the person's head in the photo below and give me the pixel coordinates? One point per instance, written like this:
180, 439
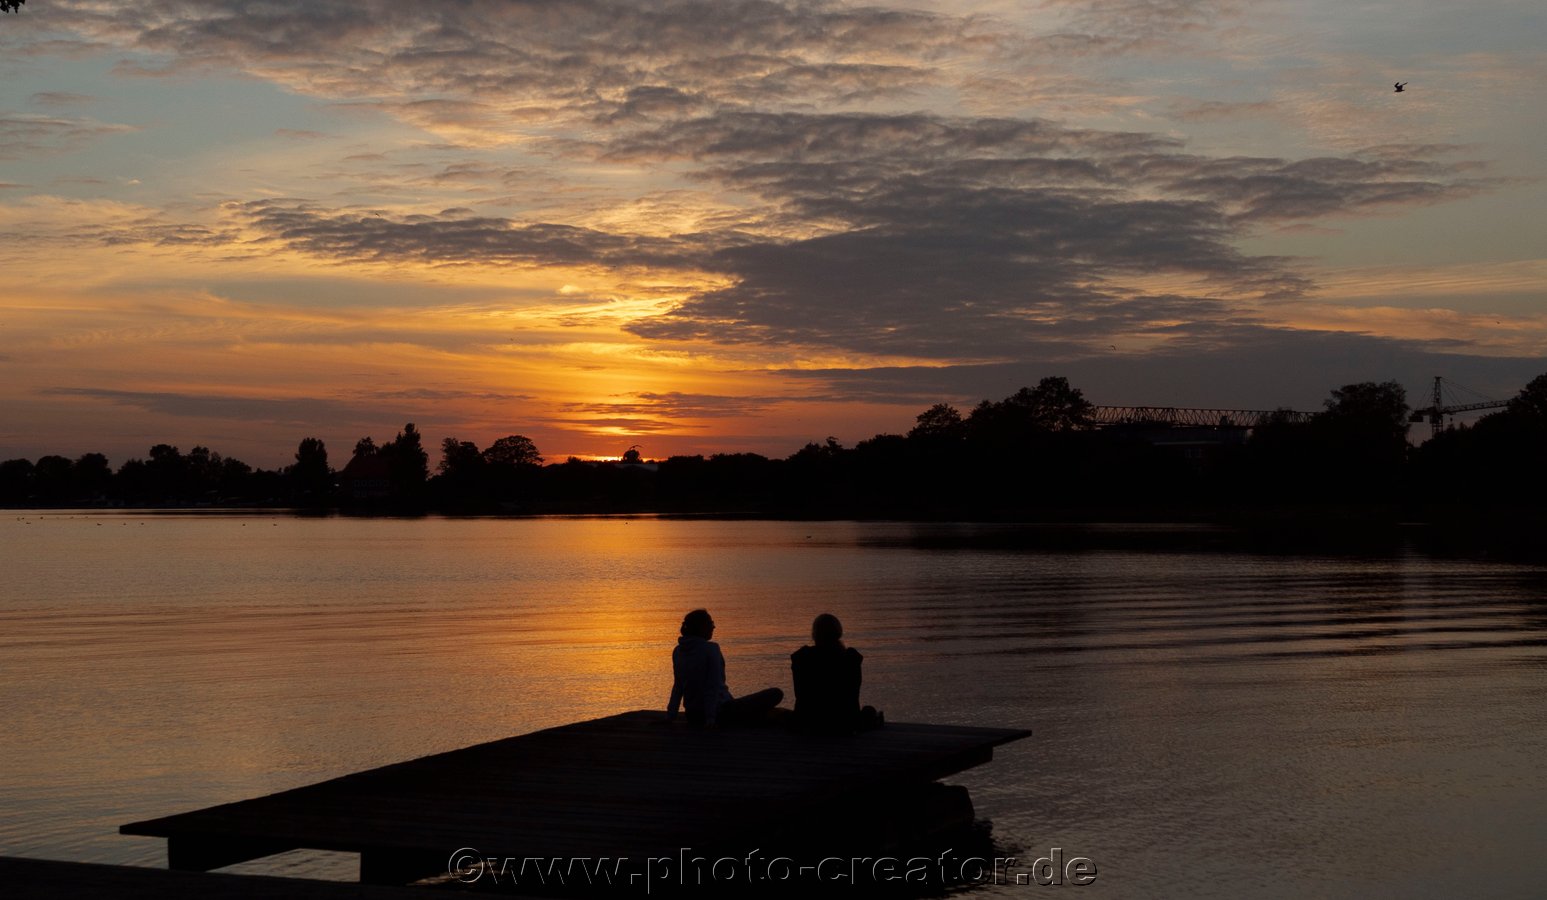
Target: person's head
698, 624
826, 629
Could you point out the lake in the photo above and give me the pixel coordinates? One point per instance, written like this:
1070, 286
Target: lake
1208, 722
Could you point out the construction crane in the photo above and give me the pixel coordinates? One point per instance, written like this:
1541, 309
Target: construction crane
1439, 409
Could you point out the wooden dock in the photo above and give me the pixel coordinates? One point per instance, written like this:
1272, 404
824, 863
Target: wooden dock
44, 879
629, 785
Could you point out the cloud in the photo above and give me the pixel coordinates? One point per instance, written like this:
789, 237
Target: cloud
854, 230
616, 424
356, 409
60, 98
1217, 110
299, 411
949, 238
679, 405
1130, 26
454, 237
161, 234
27, 134
45, 220
484, 66
860, 139
990, 238
656, 101
912, 235
435, 394
1277, 189
831, 159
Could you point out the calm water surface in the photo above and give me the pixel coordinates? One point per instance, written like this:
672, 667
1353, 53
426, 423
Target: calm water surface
1206, 723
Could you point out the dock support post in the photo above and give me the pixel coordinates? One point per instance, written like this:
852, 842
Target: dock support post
398, 866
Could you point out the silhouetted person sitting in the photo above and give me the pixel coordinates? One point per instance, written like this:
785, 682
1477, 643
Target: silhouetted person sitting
698, 680
827, 678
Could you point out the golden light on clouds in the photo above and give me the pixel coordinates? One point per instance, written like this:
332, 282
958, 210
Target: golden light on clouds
1495, 333
707, 226
1523, 276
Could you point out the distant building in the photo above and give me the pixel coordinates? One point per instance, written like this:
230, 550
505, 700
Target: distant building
1198, 444
366, 478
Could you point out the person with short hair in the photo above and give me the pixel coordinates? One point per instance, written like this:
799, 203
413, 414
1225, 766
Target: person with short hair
698, 680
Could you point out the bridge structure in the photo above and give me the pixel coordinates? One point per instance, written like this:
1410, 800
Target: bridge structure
1190, 416
1443, 403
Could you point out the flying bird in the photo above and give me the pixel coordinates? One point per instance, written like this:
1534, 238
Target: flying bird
1400, 85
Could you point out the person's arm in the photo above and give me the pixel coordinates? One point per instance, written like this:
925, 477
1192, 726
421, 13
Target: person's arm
676, 698
800, 676
716, 675
676, 689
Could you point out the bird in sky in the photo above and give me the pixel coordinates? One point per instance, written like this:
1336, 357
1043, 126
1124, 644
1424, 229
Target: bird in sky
1400, 85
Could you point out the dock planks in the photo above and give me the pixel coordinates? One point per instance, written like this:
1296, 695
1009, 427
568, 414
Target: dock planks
625, 785
42, 879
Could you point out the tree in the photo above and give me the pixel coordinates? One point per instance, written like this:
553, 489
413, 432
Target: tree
814, 477
460, 460
364, 448
408, 465
205, 468
232, 477
166, 474
1367, 420
16, 479
831, 449
1503, 452
1280, 434
1022, 421
310, 478
53, 479
1375, 409
1531, 402
941, 422
1358, 445
631, 455
1053, 405
132, 481
11, 5
93, 476
513, 450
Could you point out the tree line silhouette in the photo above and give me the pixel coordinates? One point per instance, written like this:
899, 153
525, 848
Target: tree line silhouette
1031, 455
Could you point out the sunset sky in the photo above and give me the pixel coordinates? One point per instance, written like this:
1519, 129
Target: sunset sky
716, 225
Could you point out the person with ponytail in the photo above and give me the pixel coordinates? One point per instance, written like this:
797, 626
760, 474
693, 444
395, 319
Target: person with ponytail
827, 680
